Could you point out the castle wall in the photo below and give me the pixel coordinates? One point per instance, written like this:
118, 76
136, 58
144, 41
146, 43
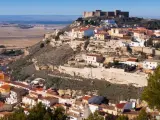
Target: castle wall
100, 13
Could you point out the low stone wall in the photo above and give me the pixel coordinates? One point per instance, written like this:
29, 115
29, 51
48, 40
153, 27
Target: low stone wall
112, 75
146, 50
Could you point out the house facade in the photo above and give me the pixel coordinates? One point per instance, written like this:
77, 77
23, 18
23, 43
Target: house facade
110, 22
48, 101
82, 32
109, 109
118, 32
157, 33
13, 98
150, 64
102, 35
94, 59
5, 90
1, 76
132, 61
139, 43
29, 100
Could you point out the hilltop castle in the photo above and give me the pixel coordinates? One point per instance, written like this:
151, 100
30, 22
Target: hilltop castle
100, 13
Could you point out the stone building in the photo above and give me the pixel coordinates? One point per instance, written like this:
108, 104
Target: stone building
100, 13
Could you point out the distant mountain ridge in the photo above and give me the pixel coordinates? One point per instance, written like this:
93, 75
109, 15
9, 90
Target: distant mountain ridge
11, 18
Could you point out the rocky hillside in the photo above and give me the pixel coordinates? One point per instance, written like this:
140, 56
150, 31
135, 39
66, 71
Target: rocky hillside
41, 54
56, 56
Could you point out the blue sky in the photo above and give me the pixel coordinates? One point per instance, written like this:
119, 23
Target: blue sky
76, 7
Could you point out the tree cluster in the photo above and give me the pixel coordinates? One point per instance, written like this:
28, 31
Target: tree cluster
152, 91
95, 116
39, 112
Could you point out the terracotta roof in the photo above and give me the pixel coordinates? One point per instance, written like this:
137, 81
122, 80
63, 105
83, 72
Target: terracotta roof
107, 107
1, 76
120, 106
156, 113
142, 31
132, 59
102, 32
59, 105
1, 104
86, 98
52, 92
6, 87
83, 29
38, 89
47, 98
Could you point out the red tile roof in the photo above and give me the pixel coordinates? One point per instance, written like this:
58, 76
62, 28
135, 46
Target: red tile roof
1, 104
107, 107
120, 106
132, 59
37, 89
59, 105
47, 98
52, 92
102, 33
86, 98
6, 87
83, 29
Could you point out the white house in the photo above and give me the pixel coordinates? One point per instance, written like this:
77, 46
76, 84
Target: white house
64, 100
151, 64
28, 100
48, 101
139, 43
118, 32
65, 36
16, 95
140, 37
75, 114
101, 35
94, 59
110, 109
157, 33
93, 108
12, 99
110, 22
82, 32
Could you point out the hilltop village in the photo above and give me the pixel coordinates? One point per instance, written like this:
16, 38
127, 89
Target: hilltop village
89, 52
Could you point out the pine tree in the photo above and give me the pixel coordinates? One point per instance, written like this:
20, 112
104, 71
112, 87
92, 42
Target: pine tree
151, 93
122, 117
95, 116
59, 114
143, 115
38, 112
